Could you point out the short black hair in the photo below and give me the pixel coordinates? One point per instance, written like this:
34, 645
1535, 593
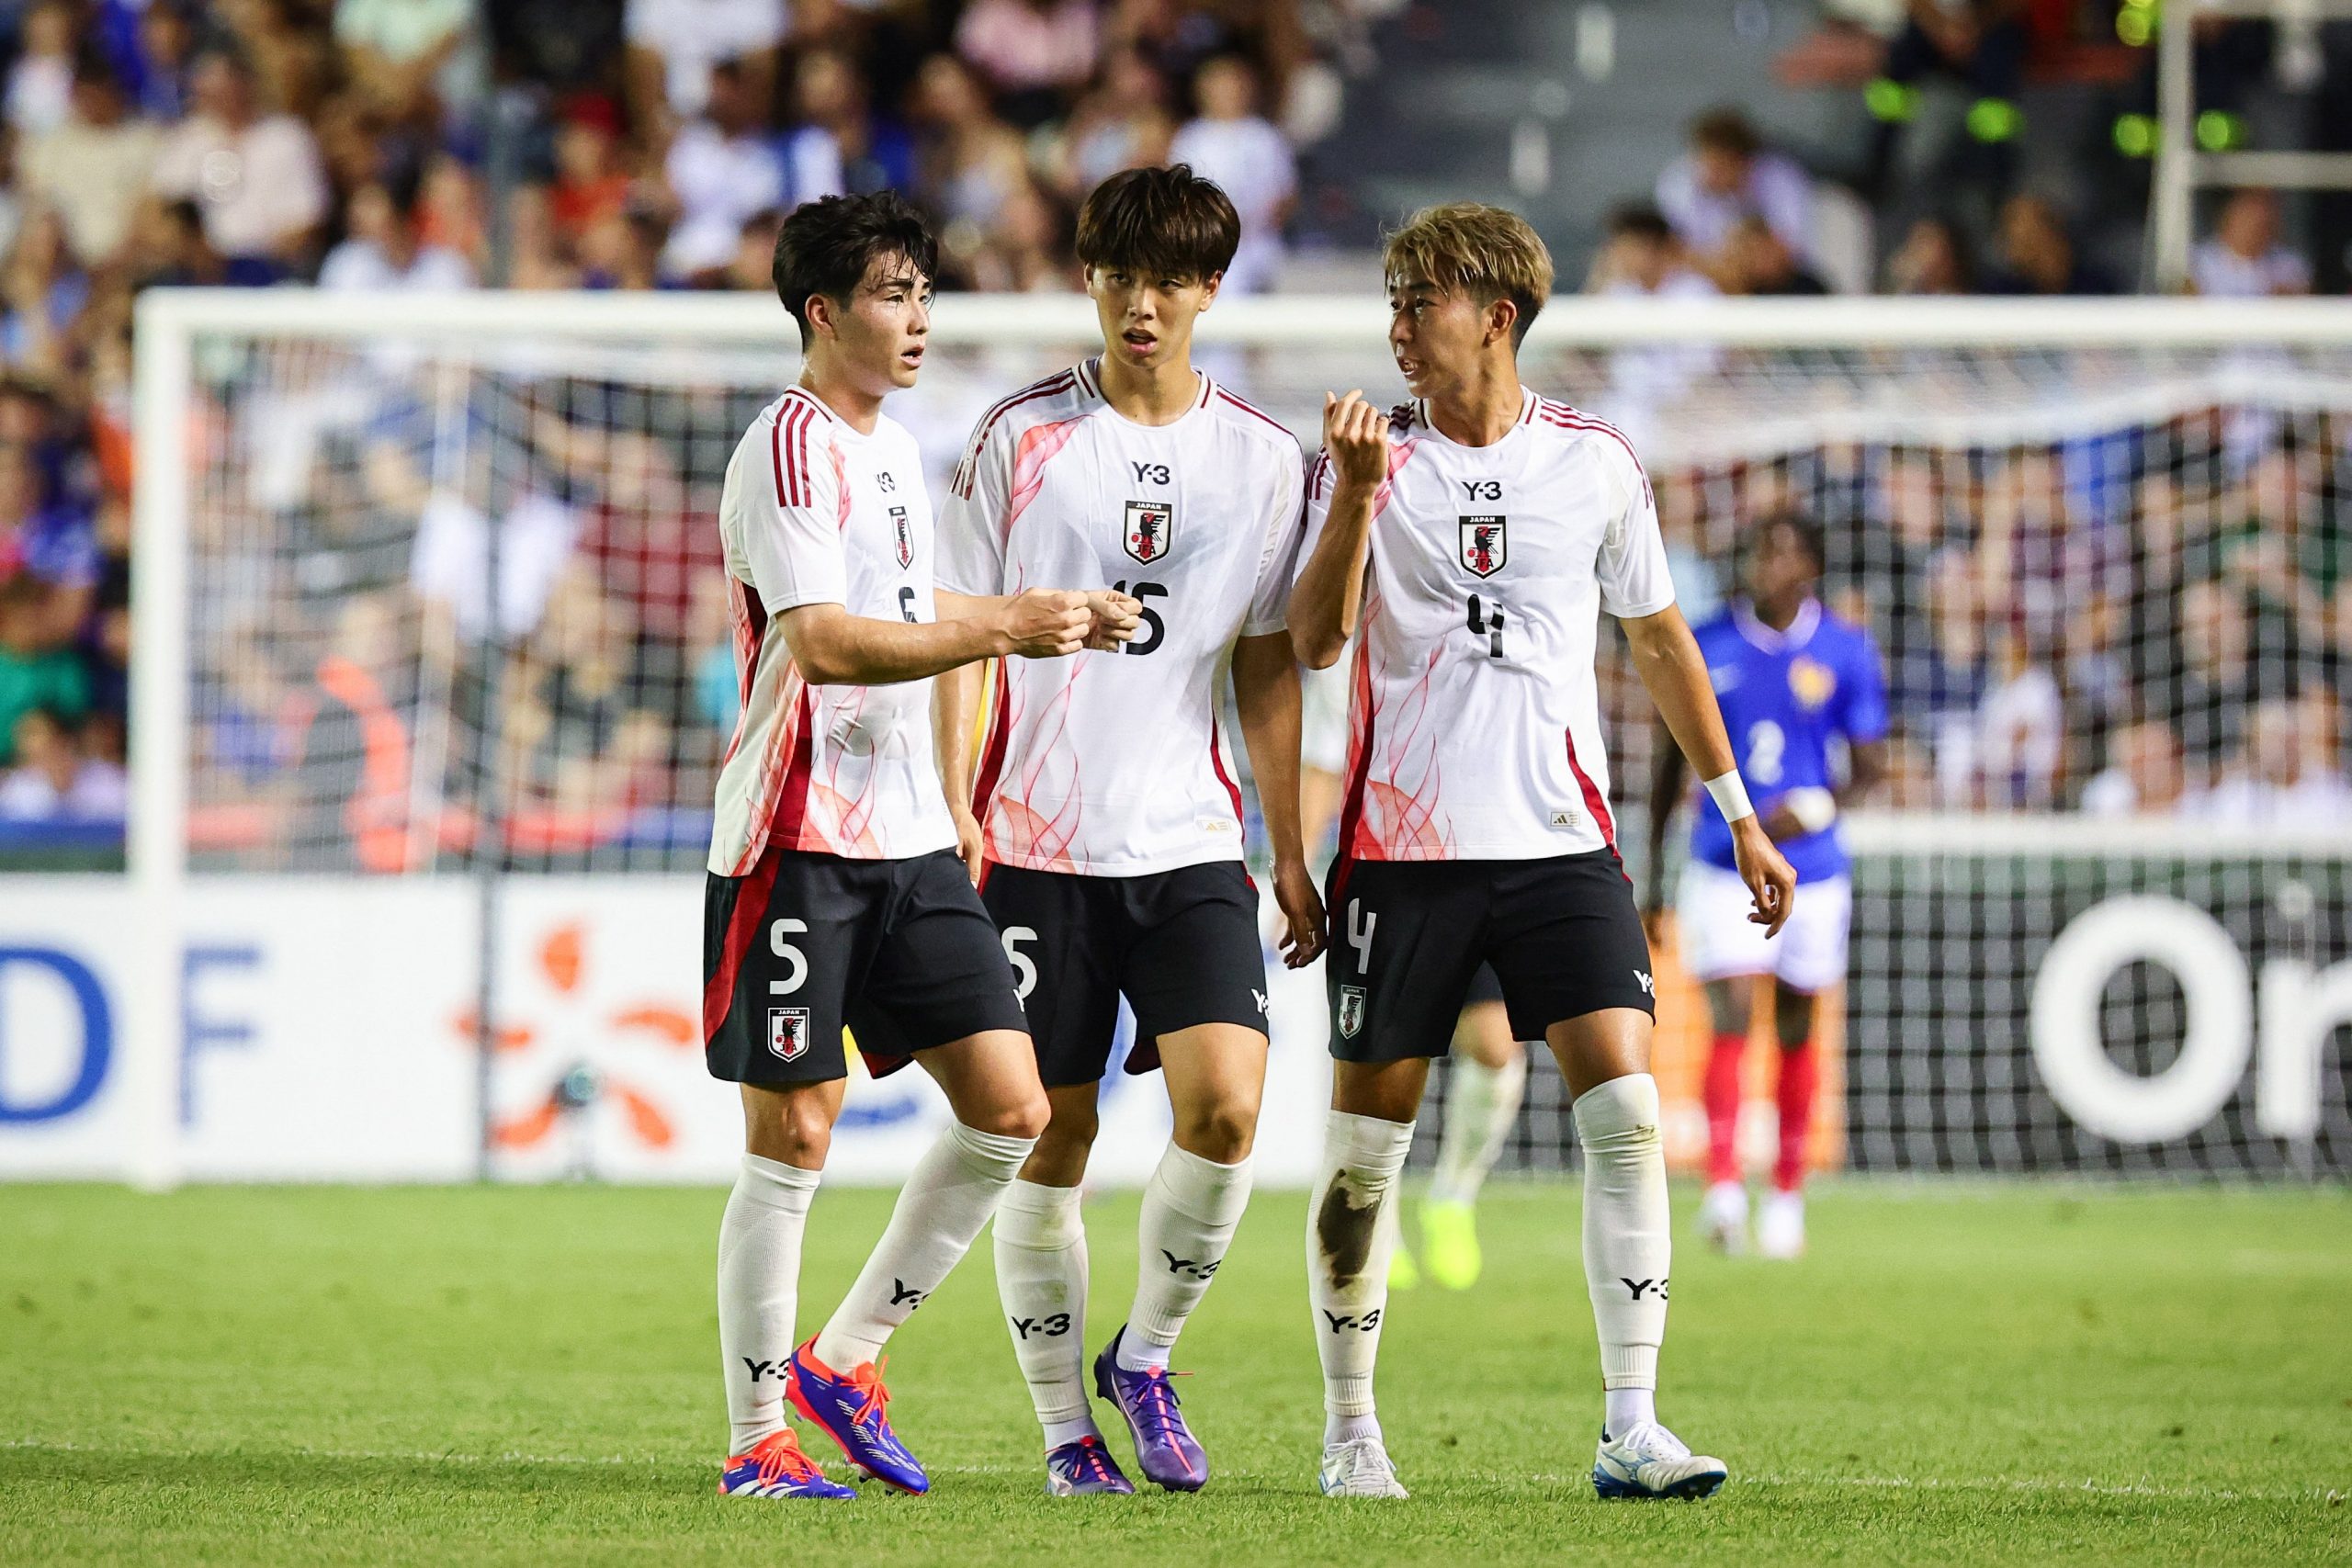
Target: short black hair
825, 247
1640, 220
1168, 222
1810, 535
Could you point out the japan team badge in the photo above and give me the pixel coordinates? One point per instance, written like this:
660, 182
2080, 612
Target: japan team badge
788, 1034
1351, 1011
906, 535
1485, 544
1151, 528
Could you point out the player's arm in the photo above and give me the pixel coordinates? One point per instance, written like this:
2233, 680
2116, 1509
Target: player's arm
832, 648
1266, 694
1668, 772
1667, 658
1327, 600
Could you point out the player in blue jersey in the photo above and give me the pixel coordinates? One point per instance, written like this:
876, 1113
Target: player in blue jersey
1797, 686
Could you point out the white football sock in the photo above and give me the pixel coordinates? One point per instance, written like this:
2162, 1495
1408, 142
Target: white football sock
1481, 1108
954, 1190
759, 1285
1348, 1249
1041, 1280
1190, 1208
1626, 1245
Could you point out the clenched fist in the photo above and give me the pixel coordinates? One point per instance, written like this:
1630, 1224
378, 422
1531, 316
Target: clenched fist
1356, 435
1116, 617
1045, 623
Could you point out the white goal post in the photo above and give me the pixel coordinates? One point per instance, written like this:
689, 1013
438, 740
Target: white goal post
1738, 403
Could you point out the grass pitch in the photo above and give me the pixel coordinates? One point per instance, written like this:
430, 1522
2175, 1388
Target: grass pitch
525, 1376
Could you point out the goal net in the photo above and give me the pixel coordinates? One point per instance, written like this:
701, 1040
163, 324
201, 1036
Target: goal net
432, 677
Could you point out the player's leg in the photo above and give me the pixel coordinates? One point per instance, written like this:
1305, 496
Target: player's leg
1811, 962
1576, 953
1725, 952
1195, 975
1406, 940
791, 1083
1068, 989
1485, 1084
940, 989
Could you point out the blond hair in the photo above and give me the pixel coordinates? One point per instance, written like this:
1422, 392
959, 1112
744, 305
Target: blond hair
1468, 247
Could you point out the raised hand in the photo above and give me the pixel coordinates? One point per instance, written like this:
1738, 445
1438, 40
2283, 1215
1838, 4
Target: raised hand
1356, 435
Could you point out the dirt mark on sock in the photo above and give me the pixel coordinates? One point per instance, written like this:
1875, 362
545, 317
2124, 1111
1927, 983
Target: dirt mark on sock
1344, 1231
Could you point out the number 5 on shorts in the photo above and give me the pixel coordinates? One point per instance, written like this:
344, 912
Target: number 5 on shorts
1025, 968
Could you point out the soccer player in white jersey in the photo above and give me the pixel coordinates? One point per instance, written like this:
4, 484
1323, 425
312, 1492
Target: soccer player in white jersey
1104, 818
1475, 536
835, 894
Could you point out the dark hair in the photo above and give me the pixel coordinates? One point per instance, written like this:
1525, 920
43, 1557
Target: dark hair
1639, 220
1169, 222
1725, 130
825, 247
1810, 535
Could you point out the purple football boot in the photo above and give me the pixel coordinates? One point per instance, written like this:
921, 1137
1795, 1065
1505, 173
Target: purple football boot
775, 1467
853, 1409
1082, 1469
1165, 1448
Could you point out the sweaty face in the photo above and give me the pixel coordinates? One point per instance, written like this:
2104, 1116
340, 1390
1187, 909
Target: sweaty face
1147, 317
881, 337
1436, 335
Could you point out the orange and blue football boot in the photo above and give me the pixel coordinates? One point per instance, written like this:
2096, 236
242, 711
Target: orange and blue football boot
855, 1411
776, 1468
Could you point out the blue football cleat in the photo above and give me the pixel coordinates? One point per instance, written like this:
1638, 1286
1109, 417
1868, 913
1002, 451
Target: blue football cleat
853, 1409
776, 1468
1165, 1448
1084, 1469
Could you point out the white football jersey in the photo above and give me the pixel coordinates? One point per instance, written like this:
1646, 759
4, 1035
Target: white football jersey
1473, 722
1110, 763
813, 512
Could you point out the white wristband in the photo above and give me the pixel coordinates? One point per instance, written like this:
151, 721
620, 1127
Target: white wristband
1731, 797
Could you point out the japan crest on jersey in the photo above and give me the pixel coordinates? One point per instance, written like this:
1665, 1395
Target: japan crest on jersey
1351, 1011
1151, 528
906, 538
788, 1034
1485, 544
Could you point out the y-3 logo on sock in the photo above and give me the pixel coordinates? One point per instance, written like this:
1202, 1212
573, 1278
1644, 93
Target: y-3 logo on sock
766, 1369
899, 1293
1052, 1327
1638, 1286
1343, 1320
1186, 1265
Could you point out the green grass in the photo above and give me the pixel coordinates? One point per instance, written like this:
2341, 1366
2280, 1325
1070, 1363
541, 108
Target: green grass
1954, 1375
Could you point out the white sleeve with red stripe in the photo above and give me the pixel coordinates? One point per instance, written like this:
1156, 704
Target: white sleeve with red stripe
1635, 580
792, 502
972, 523
1270, 602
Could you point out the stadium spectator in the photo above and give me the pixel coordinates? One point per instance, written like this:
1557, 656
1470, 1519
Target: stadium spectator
50, 542
2280, 777
54, 780
1230, 143
386, 250
450, 568
40, 83
1122, 123
1932, 259
36, 670
351, 729
1642, 255
590, 184
2215, 681
2145, 776
623, 250
2035, 254
155, 60
256, 178
722, 168
672, 44
1982, 43
840, 144
640, 544
94, 167
2018, 751
2244, 259
1728, 174
42, 291
970, 161
412, 60
1754, 260
1035, 53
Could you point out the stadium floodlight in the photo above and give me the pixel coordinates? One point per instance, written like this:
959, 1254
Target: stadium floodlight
2093, 536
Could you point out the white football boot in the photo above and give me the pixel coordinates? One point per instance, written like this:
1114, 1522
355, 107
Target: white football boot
1780, 1229
1723, 1216
1359, 1468
1647, 1461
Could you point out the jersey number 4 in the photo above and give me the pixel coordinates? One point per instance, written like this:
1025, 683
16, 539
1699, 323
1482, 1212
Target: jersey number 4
1153, 627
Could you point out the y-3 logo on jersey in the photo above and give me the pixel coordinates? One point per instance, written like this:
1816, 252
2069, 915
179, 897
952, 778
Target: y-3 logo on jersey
1483, 489
905, 535
1486, 542
1150, 531
1150, 473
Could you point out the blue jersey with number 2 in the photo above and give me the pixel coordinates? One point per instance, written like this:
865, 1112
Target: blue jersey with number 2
1785, 695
